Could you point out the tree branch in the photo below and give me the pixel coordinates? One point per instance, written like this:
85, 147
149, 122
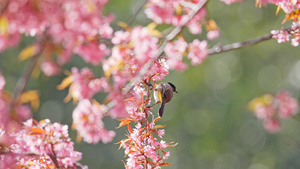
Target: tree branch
23, 80
237, 45
134, 15
53, 157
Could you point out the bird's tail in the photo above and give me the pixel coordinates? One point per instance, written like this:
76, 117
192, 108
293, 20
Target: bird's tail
161, 109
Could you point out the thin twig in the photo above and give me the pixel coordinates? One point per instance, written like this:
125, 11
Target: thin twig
237, 45
134, 15
53, 157
3, 6
23, 80
78, 165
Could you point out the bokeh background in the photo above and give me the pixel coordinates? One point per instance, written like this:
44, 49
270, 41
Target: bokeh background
208, 118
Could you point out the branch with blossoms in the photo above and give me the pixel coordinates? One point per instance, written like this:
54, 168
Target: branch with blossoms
141, 146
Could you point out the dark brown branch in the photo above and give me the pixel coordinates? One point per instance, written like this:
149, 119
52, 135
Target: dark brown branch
23, 80
3, 6
18, 154
237, 45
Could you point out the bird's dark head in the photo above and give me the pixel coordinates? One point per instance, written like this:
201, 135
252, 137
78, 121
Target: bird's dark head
173, 87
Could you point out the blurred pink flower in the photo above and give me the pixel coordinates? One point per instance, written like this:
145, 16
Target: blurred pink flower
228, 2
174, 12
92, 52
87, 120
174, 51
33, 144
271, 109
9, 41
83, 84
197, 51
272, 125
50, 68
213, 34
74, 24
2, 82
287, 105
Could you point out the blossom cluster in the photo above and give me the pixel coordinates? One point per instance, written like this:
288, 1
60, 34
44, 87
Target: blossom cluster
132, 49
284, 35
142, 146
175, 12
67, 27
272, 108
177, 49
31, 144
40, 144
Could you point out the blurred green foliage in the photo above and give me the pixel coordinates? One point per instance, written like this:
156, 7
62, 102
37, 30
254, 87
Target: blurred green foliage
208, 118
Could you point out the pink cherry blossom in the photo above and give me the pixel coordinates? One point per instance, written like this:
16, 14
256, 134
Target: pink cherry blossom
272, 125
295, 41
271, 109
213, 34
197, 51
280, 35
92, 52
73, 24
87, 120
287, 105
2, 82
228, 2
33, 145
50, 68
159, 69
83, 84
194, 25
7, 41
174, 12
174, 51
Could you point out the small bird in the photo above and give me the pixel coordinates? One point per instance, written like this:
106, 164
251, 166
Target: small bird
163, 93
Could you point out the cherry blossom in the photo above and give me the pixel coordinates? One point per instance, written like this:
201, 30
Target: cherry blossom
50, 68
228, 2
175, 51
2, 82
272, 109
74, 26
281, 35
87, 120
37, 145
83, 84
197, 51
173, 12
